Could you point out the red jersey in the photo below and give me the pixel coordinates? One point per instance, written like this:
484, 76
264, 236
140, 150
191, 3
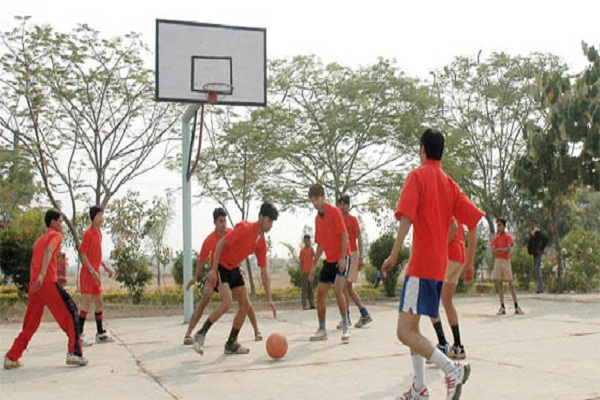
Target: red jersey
52, 238
329, 229
91, 245
501, 241
242, 241
430, 199
306, 256
210, 244
353, 231
456, 248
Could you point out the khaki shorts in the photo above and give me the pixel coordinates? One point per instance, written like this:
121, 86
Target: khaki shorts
353, 273
502, 270
453, 272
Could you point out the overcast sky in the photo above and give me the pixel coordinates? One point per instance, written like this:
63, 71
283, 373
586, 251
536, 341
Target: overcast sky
421, 36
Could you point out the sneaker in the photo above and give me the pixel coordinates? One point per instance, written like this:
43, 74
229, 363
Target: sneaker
188, 340
346, 335
199, 342
518, 311
457, 353
414, 394
455, 379
85, 341
73, 359
320, 334
258, 337
10, 364
236, 348
501, 311
104, 337
362, 321
340, 325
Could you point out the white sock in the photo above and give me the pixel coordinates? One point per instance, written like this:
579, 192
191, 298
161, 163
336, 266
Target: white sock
418, 363
441, 361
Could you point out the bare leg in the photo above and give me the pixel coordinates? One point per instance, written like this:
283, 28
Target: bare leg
511, 286
204, 301
500, 286
322, 290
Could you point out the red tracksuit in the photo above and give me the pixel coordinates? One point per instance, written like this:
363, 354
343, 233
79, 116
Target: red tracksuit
50, 295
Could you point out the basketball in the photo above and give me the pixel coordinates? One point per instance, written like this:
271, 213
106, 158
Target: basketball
277, 345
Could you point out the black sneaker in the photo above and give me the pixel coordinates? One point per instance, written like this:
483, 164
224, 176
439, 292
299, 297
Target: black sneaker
236, 348
457, 353
501, 311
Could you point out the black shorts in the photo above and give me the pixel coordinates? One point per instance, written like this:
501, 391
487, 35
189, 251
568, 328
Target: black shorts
233, 277
330, 271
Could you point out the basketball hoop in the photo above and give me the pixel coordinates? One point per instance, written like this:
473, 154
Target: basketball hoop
214, 89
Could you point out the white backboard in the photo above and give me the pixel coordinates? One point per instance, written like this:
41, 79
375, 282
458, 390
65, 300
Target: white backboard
191, 54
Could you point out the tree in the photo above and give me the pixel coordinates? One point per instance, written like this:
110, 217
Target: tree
486, 105
348, 129
17, 184
159, 217
564, 153
82, 108
126, 222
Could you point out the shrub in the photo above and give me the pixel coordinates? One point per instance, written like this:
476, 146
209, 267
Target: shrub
522, 267
582, 261
132, 271
296, 277
379, 250
17, 242
177, 269
370, 273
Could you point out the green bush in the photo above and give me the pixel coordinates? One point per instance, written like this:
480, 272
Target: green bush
379, 250
132, 271
17, 242
177, 269
581, 254
296, 277
370, 273
522, 267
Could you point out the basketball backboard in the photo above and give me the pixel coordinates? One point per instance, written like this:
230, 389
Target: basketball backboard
191, 55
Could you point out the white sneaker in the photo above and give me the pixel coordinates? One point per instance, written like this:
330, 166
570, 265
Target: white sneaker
199, 342
346, 335
414, 394
73, 359
455, 379
10, 364
104, 337
320, 334
85, 341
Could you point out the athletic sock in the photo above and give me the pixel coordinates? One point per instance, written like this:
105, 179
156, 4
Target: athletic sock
418, 363
322, 325
99, 326
502, 305
345, 321
82, 317
439, 331
441, 361
456, 334
516, 305
205, 327
363, 312
233, 335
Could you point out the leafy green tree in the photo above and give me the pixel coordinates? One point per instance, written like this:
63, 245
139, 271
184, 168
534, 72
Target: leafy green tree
17, 183
348, 129
83, 110
380, 250
564, 153
159, 216
486, 105
17, 241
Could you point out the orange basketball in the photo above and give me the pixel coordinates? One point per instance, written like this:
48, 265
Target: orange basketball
277, 345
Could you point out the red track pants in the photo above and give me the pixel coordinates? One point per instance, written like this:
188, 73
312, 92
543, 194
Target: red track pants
62, 307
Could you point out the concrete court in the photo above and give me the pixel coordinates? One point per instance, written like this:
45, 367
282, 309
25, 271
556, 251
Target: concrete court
552, 352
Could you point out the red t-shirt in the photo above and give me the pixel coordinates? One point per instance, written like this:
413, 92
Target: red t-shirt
242, 241
210, 244
52, 238
501, 241
430, 199
353, 231
91, 245
306, 256
329, 229
456, 248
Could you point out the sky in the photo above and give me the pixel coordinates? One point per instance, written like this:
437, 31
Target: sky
421, 36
